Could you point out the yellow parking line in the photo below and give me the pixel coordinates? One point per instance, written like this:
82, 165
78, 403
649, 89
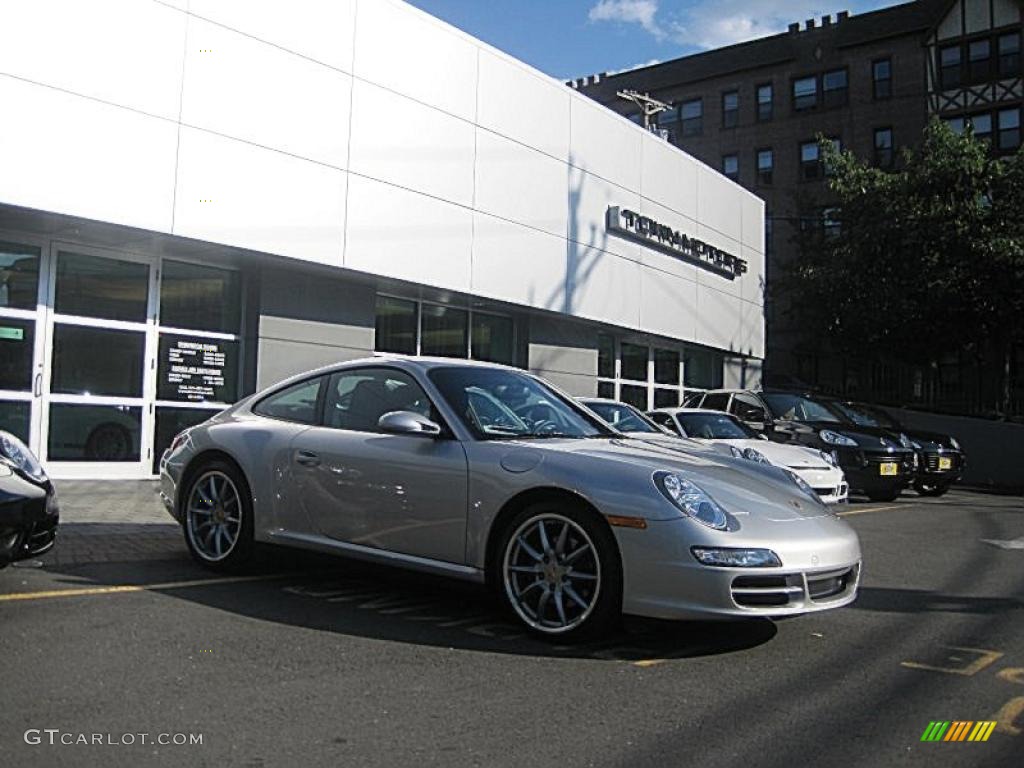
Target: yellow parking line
862, 510
119, 589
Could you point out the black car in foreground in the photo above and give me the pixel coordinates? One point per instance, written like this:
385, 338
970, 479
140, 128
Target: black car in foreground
877, 462
28, 503
940, 460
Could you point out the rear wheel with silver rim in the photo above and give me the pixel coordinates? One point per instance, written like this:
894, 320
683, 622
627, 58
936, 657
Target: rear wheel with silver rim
560, 571
218, 517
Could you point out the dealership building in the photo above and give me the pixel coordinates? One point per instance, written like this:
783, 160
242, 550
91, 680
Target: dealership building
199, 198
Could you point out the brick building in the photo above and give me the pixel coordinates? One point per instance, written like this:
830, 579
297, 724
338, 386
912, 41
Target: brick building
871, 82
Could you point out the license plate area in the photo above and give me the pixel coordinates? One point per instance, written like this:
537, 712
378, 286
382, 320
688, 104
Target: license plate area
888, 469
945, 463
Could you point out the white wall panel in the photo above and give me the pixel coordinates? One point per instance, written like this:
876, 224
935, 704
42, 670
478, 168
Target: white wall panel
669, 176
718, 203
752, 221
668, 304
752, 335
411, 53
604, 143
236, 193
537, 261
249, 90
402, 234
719, 319
319, 29
602, 286
511, 96
589, 198
403, 142
126, 52
752, 283
733, 287
521, 184
656, 259
77, 156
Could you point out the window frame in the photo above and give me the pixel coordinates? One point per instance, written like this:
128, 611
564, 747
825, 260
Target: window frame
806, 165
650, 383
691, 126
730, 117
292, 384
1004, 69
832, 98
762, 179
878, 92
882, 160
765, 115
816, 100
446, 432
735, 158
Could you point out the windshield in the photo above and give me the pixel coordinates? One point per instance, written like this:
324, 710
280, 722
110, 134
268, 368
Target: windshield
623, 417
866, 416
496, 404
800, 408
715, 426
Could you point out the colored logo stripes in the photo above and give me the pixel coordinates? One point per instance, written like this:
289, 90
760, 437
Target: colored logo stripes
958, 730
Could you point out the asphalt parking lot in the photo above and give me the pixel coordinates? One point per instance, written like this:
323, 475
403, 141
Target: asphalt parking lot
322, 661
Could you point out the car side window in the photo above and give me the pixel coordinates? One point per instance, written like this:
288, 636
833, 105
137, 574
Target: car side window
715, 401
664, 420
747, 408
296, 403
356, 399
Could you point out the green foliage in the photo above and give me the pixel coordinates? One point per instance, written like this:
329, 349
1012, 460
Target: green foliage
929, 258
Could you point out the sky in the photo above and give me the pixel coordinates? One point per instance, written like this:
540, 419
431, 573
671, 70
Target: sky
571, 38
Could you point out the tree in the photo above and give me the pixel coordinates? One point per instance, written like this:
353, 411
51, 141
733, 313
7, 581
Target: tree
926, 259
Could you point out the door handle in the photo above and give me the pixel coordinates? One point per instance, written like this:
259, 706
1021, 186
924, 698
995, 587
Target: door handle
307, 459
37, 385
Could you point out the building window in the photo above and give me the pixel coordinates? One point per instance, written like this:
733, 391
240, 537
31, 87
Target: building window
765, 166
805, 93
955, 124
702, 369
668, 116
949, 67
417, 328
835, 86
730, 109
1009, 55
883, 147
979, 60
731, 166
837, 147
1009, 130
810, 160
982, 126
645, 377
881, 77
692, 116
765, 102
830, 224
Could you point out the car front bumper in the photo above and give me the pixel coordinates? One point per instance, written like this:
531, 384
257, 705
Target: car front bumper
828, 482
662, 578
931, 467
29, 516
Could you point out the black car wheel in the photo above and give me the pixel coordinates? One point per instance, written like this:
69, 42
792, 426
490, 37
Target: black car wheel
560, 572
930, 489
887, 494
217, 517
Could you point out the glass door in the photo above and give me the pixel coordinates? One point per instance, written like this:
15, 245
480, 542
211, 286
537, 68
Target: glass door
98, 374
21, 342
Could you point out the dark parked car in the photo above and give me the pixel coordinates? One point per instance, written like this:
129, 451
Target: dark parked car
877, 462
28, 503
940, 461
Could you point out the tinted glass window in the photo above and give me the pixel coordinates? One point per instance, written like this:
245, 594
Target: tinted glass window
605, 356
666, 398
622, 417
666, 421
666, 366
747, 408
396, 326
17, 340
634, 361
497, 404
866, 416
94, 432
14, 418
19, 276
297, 403
492, 339
92, 286
714, 426
197, 369
356, 399
445, 331
635, 396
715, 401
799, 408
97, 361
200, 297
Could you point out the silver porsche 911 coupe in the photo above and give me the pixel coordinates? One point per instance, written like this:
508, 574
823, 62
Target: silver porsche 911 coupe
487, 473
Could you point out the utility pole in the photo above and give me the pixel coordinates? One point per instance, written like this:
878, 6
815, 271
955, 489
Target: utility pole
649, 107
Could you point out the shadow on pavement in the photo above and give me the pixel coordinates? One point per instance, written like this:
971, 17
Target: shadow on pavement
894, 600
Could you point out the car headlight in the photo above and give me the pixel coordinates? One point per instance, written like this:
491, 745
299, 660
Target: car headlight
691, 500
954, 443
830, 458
752, 454
16, 455
834, 438
727, 557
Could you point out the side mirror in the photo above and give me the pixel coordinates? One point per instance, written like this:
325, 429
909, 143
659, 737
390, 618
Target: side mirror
407, 423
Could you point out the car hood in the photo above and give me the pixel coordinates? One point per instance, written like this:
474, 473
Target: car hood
866, 437
780, 454
930, 439
754, 493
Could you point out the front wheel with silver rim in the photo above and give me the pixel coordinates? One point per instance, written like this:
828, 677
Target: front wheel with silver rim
217, 518
560, 571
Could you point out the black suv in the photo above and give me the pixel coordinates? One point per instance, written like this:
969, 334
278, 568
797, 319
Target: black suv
877, 462
940, 461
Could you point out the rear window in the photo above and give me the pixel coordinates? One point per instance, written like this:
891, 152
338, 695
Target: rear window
298, 403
